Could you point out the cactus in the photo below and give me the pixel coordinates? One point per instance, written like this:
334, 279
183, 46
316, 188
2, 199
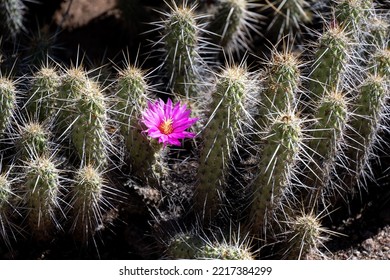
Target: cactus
232, 23
190, 246
304, 236
369, 115
12, 17
88, 131
221, 134
288, 16
41, 194
326, 140
181, 45
7, 207
7, 102
43, 97
72, 84
87, 200
33, 140
279, 156
331, 61
146, 158
282, 79
274, 148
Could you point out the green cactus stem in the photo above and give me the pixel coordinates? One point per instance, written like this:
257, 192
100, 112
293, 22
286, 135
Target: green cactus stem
41, 189
12, 17
7, 102
221, 137
42, 101
87, 199
180, 38
88, 131
232, 23
147, 158
282, 79
275, 170
189, 246
326, 139
331, 60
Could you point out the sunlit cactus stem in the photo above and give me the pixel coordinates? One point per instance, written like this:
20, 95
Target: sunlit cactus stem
7, 102
33, 140
278, 159
370, 111
191, 246
87, 199
326, 137
12, 17
88, 131
7, 207
330, 62
304, 236
41, 188
146, 158
181, 44
42, 102
221, 137
282, 79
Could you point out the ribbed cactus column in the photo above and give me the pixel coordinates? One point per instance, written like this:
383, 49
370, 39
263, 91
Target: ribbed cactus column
41, 189
42, 101
88, 131
7, 102
331, 60
326, 137
6, 207
288, 16
304, 236
11, 17
231, 24
146, 158
370, 107
220, 137
33, 140
350, 14
282, 78
180, 38
72, 84
87, 199
278, 159
191, 246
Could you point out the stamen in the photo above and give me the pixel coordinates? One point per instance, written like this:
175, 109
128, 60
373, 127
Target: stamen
166, 127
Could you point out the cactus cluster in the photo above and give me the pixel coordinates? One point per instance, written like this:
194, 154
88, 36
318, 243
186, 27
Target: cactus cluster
255, 154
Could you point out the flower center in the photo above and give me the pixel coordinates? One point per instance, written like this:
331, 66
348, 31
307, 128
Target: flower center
166, 127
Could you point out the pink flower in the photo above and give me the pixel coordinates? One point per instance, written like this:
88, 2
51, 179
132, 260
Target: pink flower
168, 123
